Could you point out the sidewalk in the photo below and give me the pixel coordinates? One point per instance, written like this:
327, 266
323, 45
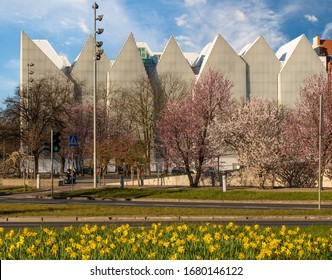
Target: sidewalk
157, 219
86, 182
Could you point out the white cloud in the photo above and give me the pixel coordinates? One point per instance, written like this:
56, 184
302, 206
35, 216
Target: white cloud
66, 23
240, 16
185, 41
182, 21
311, 18
239, 24
190, 3
327, 33
84, 28
199, 21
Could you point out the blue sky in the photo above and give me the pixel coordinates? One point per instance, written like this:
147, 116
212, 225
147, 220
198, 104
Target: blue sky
194, 23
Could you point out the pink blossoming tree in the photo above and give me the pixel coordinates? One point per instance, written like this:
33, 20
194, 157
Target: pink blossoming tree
295, 167
186, 126
307, 116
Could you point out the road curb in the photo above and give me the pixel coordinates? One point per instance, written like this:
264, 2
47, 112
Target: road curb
229, 201
124, 219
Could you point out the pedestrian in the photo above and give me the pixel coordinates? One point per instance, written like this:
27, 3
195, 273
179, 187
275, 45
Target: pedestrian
68, 176
121, 172
163, 176
74, 176
98, 175
141, 176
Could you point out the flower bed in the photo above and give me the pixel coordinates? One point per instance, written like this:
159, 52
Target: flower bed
160, 242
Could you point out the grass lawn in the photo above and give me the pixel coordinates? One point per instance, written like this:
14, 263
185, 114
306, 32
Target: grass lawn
200, 193
28, 209
11, 190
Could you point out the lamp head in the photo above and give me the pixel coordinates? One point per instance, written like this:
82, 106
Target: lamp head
100, 31
98, 54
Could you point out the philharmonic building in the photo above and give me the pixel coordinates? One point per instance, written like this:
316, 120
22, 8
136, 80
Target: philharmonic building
255, 71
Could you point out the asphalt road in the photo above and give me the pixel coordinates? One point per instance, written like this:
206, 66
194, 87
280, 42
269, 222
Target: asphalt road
20, 222
170, 203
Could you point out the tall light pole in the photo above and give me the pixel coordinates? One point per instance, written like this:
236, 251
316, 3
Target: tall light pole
30, 80
97, 54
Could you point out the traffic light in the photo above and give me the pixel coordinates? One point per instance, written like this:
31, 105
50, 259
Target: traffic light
56, 142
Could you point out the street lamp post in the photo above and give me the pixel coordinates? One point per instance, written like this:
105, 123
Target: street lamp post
30, 80
97, 54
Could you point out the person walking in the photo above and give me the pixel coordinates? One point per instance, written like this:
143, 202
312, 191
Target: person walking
141, 176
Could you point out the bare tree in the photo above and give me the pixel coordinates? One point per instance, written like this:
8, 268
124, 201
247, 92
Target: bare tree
168, 87
138, 108
39, 112
9, 133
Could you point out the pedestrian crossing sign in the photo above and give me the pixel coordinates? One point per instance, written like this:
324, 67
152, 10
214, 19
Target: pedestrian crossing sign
73, 140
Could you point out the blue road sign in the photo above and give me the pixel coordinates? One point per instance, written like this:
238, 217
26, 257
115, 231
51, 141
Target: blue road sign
73, 140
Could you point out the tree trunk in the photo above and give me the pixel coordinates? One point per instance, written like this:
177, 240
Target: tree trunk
194, 180
148, 158
191, 180
197, 179
35, 168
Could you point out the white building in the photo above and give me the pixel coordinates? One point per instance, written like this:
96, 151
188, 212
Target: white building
221, 57
262, 69
81, 72
255, 71
299, 61
173, 61
40, 57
